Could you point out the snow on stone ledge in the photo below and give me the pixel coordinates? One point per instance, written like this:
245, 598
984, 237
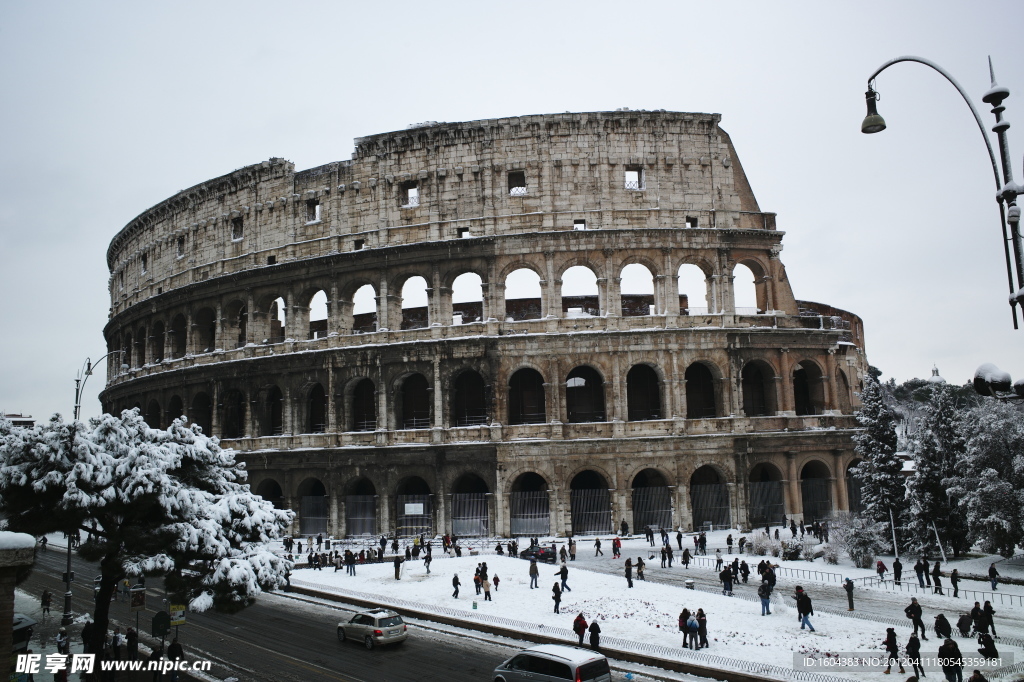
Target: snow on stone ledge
9, 540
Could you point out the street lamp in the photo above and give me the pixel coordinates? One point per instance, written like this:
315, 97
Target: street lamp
1006, 189
80, 379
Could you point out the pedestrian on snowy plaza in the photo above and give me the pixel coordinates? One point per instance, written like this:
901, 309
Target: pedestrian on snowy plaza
572, 550
880, 569
487, 590
897, 570
679, 539
671, 555
765, 593
664, 556
692, 632
954, 580
718, 560
742, 544
595, 634
892, 651
993, 576
914, 655
426, 564
640, 566
563, 573
726, 579
456, 584
919, 570
398, 567
978, 617
728, 542
629, 572
942, 627
556, 594
703, 543
804, 609
63, 646
686, 558
579, 626
696, 545
937, 577
848, 586
977, 677
624, 528
702, 629
684, 616
534, 574
792, 528
776, 533
769, 573
926, 569
597, 547
735, 568
988, 647
494, 581
989, 614
563, 555
44, 602
478, 583
617, 548
744, 571
914, 613
963, 624
951, 660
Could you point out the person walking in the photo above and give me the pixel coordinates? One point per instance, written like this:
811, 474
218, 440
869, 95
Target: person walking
640, 566
897, 570
426, 564
765, 593
892, 651
702, 629
937, 577
487, 590
679, 539
579, 626
914, 613
919, 570
494, 581
880, 568
718, 560
175, 653
572, 550
132, 642
629, 573
44, 602
456, 584
597, 547
686, 558
744, 571
993, 576
63, 643
563, 573
534, 574
664, 555
848, 586
926, 569
725, 577
978, 617
954, 580
556, 594
595, 634
804, 609
913, 650
728, 543
989, 615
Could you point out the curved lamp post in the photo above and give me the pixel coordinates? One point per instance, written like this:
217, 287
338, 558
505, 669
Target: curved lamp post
80, 379
1006, 190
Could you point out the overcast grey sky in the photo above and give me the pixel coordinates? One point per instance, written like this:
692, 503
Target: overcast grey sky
108, 108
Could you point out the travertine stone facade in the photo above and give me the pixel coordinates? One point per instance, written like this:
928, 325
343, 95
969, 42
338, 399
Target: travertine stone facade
511, 413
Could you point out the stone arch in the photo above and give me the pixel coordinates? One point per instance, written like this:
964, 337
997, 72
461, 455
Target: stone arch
766, 496
415, 306
201, 412
364, 308
636, 291
467, 298
157, 341
529, 505
140, 346
272, 421
316, 409
204, 326
523, 294
757, 384
750, 288
414, 406
175, 408
129, 349
313, 506
232, 423
643, 393
696, 295
315, 314
652, 500
470, 506
179, 336
360, 507
526, 399
580, 290
702, 395
271, 491
469, 399
808, 388
236, 324
843, 402
414, 507
816, 490
709, 498
584, 395
362, 405
590, 503
153, 416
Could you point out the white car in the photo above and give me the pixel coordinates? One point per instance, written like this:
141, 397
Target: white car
373, 627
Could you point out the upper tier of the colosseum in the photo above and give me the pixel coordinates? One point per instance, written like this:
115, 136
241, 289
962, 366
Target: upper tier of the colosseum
509, 176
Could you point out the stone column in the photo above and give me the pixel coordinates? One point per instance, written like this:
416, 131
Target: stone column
794, 503
840, 499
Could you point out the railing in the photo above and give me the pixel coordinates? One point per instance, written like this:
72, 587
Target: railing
416, 423
912, 586
634, 185
517, 191
781, 571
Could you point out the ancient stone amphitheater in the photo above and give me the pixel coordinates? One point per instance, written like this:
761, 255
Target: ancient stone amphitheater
518, 326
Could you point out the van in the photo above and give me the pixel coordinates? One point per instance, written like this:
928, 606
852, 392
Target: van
554, 662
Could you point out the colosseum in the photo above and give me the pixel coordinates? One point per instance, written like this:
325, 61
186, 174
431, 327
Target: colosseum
519, 326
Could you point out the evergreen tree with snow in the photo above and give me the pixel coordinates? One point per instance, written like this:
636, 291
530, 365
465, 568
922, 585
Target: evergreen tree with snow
988, 483
155, 502
883, 487
939, 448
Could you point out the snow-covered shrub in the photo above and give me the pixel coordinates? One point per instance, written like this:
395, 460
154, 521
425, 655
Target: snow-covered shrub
759, 544
859, 537
791, 549
831, 554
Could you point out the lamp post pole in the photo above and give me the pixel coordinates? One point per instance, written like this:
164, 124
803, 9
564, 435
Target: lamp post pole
80, 379
1006, 190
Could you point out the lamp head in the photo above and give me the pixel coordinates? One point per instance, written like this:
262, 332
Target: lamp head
873, 123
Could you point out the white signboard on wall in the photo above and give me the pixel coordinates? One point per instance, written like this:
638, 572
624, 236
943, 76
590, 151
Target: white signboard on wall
414, 509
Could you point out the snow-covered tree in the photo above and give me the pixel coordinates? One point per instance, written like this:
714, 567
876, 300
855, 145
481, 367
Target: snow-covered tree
940, 447
156, 502
860, 537
883, 487
988, 483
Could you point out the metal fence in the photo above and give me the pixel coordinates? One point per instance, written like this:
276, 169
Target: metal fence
652, 506
469, 514
415, 515
312, 515
710, 504
911, 586
529, 513
591, 511
360, 515
817, 498
766, 503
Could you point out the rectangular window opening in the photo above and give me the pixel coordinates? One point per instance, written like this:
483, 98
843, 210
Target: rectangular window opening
410, 194
358, 245
634, 178
464, 233
517, 183
579, 224
236, 229
312, 210
145, 263
120, 279
271, 260
691, 221
181, 247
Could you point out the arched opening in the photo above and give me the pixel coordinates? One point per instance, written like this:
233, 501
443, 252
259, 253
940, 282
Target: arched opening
179, 337
233, 424
318, 315
584, 396
273, 417
709, 500
276, 319
529, 506
128, 350
140, 347
364, 406
766, 495
153, 417
467, 299
694, 291
313, 513
158, 342
415, 403
360, 508
526, 397
636, 291
643, 393
580, 294
590, 506
522, 295
744, 291
205, 324
236, 321
316, 410
808, 389
758, 394
816, 491
271, 491
701, 401
202, 413
652, 501
175, 409
414, 508
364, 310
854, 489
469, 400
469, 507
843, 393
415, 312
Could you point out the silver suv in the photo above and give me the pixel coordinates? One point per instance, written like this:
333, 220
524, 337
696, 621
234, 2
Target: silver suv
373, 627
553, 662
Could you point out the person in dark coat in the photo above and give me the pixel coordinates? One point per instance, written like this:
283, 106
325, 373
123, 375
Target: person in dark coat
556, 594
629, 572
87, 631
686, 558
726, 578
595, 634
579, 626
804, 609
919, 570
158, 653
914, 613
132, 638
914, 655
684, 617
744, 571
175, 653
456, 584
892, 651
954, 580
977, 677
897, 570
993, 576
952, 660
926, 569
989, 615
398, 567
937, 577
679, 540
988, 647
848, 586
640, 569
702, 629
964, 625
765, 593
942, 627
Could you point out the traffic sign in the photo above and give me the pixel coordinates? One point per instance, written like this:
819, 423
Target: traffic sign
137, 599
177, 614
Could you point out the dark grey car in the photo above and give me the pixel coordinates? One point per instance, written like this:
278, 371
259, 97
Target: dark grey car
554, 662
